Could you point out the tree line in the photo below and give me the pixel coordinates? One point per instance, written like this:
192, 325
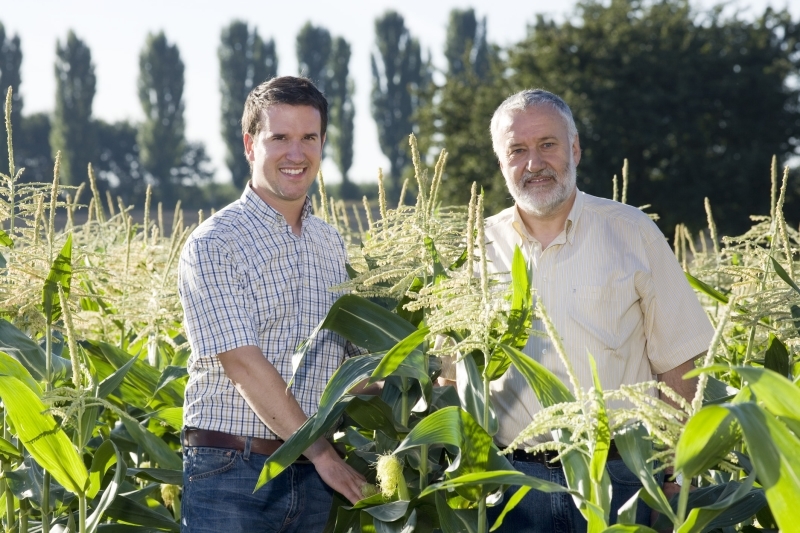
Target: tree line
698, 102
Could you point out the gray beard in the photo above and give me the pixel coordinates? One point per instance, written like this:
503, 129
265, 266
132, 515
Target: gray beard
545, 204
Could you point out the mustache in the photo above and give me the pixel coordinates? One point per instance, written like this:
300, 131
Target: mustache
546, 172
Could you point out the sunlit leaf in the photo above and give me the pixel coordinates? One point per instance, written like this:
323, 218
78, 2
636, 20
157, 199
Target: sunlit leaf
469, 385
156, 448
19, 346
398, 353
706, 289
105, 456
708, 437
776, 393
42, 436
60, 276
5, 240
133, 512
784, 275
601, 484
548, 388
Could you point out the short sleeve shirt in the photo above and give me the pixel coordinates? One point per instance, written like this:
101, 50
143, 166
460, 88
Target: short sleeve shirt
613, 288
245, 279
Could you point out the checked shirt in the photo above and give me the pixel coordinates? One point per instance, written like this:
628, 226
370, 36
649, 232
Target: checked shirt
245, 279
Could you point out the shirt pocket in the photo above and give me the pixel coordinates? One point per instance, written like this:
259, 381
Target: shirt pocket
597, 313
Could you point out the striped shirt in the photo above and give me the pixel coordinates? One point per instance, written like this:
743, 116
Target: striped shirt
612, 287
245, 279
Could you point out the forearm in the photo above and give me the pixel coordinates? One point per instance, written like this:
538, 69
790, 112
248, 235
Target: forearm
265, 391
686, 388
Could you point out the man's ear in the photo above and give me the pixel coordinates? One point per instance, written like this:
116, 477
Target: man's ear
576, 150
249, 151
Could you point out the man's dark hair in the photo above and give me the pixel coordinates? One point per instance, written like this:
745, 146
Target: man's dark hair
289, 90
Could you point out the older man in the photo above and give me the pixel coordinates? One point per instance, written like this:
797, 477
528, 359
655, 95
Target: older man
608, 278
254, 281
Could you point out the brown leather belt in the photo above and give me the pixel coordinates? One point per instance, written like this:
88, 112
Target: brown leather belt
549, 457
218, 439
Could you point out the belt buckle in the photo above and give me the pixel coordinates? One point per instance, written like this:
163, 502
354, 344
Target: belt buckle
551, 455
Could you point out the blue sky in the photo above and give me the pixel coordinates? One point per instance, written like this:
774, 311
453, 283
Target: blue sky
115, 31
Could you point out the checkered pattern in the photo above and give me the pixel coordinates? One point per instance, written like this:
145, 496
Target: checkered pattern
245, 279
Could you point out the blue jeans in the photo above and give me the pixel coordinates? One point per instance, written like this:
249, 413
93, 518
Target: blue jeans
218, 494
541, 512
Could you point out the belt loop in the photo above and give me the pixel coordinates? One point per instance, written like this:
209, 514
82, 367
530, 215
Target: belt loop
248, 443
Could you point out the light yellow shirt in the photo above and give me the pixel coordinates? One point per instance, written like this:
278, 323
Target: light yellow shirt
612, 287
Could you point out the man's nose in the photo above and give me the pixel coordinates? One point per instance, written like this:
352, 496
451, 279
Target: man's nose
295, 152
535, 162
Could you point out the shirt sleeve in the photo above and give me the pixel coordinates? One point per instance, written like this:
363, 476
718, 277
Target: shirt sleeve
212, 287
676, 326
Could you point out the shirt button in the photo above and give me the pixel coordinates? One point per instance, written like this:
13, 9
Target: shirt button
544, 352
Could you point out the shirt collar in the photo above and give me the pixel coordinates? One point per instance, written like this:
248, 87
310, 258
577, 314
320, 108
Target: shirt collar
571, 223
261, 209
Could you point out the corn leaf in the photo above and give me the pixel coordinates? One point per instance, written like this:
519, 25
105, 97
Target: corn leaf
133, 512
171, 415
706, 289
784, 275
110, 384
629, 528
499, 477
397, 354
776, 393
353, 371
548, 388
5, 240
8, 450
777, 357
157, 449
41, 435
374, 415
737, 501
469, 385
60, 276
159, 475
11, 367
19, 346
455, 520
601, 484
774, 451
708, 437
634, 446
105, 456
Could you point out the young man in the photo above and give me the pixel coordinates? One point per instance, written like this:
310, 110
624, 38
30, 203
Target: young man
254, 281
610, 283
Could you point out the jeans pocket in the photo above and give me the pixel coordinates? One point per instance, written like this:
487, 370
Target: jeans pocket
620, 474
204, 463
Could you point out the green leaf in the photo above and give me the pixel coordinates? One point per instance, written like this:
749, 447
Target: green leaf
776, 393
26, 482
733, 492
42, 436
629, 528
169, 375
8, 450
777, 356
500, 477
455, 520
521, 314
774, 451
5, 240
548, 388
469, 385
438, 269
157, 449
513, 501
389, 512
366, 324
455, 427
634, 446
706, 289
11, 367
105, 456
19, 346
374, 415
128, 510
159, 475
60, 275
708, 437
110, 384
171, 415
398, 353
601, 484
784, 275
353, 371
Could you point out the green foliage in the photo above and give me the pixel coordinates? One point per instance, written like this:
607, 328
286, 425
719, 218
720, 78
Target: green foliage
245, 60
313, 49
10, 76
697, 102
161, 136
340, 89
398, 76
72, 131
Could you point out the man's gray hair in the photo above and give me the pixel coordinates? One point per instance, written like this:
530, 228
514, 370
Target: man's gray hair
531, 98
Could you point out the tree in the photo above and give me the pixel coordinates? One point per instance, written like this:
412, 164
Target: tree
456, 115
118, 165
10, 62
698, 104
313, 50
398, 75
161, 136
72, 130
32, 148
245, 60
465, 45
342, 114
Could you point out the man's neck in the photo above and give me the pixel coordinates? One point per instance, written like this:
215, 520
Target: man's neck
546, 228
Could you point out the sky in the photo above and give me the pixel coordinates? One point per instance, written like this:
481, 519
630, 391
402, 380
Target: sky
115, 32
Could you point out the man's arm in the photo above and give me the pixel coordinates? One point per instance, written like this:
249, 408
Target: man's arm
686, 388
265, 392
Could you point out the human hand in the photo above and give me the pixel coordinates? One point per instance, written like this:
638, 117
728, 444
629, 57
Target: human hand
340, 476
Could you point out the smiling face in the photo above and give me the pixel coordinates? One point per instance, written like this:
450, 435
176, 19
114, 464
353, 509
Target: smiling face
537, 159
285, 154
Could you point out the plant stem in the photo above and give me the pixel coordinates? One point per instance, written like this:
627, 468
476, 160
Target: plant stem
48, 352
46, 502
5, 467
82, 513
423, 466
483, 524
404, 407
683, 500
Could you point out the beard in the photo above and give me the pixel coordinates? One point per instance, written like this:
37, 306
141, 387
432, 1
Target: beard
543, 202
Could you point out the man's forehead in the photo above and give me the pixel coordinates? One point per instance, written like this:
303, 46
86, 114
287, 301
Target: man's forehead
541, 119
